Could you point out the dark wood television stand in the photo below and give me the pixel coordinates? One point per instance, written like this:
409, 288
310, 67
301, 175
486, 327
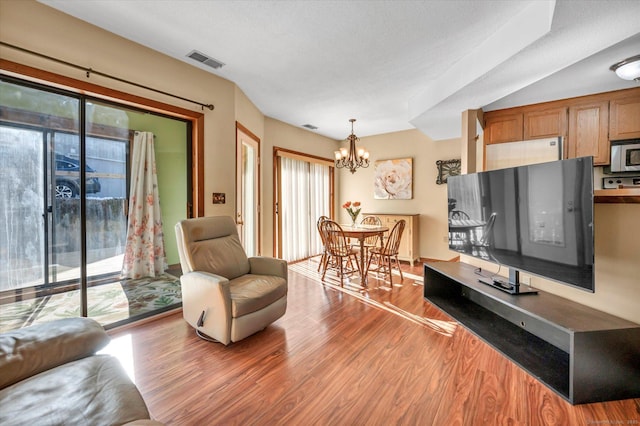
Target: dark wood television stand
583, 354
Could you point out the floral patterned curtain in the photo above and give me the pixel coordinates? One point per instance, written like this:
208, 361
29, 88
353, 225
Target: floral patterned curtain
144, 252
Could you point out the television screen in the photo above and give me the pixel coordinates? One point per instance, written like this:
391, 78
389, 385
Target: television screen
536, 218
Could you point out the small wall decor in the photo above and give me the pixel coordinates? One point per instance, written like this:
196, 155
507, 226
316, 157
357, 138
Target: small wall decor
393, 179
447, 168
218, 198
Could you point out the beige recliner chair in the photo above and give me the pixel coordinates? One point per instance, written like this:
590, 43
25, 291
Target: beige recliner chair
225, 295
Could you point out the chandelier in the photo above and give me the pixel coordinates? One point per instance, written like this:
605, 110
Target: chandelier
353, 158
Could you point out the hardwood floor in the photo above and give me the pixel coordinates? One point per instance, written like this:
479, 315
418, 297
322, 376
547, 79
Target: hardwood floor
336, 359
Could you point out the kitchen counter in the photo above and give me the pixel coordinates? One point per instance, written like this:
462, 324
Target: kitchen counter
621, 196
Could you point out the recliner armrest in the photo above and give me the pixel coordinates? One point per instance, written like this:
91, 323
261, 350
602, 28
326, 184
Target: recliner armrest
197, 284
206, 278
263, 265
206, 303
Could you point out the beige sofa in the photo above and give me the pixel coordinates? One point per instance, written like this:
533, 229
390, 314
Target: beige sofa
50, 375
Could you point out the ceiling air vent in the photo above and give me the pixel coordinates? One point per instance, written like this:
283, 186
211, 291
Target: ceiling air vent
207, 60
310, 126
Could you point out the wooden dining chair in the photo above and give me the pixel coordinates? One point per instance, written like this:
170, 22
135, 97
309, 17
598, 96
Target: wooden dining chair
369, 242
322, 239
388, 253
371, 220
340, 255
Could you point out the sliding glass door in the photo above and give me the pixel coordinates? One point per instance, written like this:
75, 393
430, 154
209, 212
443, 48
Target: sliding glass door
304, 189
64, 177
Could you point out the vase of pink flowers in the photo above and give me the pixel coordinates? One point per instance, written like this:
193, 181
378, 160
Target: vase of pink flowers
353, 209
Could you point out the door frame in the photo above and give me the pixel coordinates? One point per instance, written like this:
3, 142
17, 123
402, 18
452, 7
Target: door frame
277, 196
240, 132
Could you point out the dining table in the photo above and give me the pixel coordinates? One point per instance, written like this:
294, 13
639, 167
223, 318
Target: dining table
361, 233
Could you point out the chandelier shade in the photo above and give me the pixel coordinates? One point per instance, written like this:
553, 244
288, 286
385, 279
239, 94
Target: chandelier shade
353, 157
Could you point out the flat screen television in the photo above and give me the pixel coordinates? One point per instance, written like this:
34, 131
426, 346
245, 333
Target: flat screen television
536, 218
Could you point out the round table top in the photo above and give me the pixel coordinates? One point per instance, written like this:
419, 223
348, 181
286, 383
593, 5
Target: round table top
351, 231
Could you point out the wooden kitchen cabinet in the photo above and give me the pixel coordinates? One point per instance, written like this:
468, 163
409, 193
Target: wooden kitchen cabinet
587, 123
499, 128
588, 132
409, 243
590, 124
547, 123
624, 118
525, 125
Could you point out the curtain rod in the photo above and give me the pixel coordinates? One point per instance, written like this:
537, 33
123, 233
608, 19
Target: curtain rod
90, 71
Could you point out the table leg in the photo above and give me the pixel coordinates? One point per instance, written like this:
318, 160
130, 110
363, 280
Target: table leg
363, 273
364, 263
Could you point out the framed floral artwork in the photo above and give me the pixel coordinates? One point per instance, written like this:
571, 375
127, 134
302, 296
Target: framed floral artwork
393, 179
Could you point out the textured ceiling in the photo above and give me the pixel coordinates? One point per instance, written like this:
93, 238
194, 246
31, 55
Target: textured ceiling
392, 65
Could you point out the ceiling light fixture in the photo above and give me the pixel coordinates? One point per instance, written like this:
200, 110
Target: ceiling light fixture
629, 69
353, 158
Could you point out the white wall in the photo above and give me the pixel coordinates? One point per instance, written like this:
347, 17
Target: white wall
248, 114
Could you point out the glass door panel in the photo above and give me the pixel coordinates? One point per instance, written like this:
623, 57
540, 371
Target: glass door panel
106, 153
63, 201
109, 143
40, 240
22, 237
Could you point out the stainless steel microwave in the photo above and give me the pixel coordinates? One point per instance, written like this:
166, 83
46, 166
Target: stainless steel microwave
625, 156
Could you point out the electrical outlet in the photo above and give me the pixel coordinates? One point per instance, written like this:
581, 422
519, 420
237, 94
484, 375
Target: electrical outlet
525, 279
445, 239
